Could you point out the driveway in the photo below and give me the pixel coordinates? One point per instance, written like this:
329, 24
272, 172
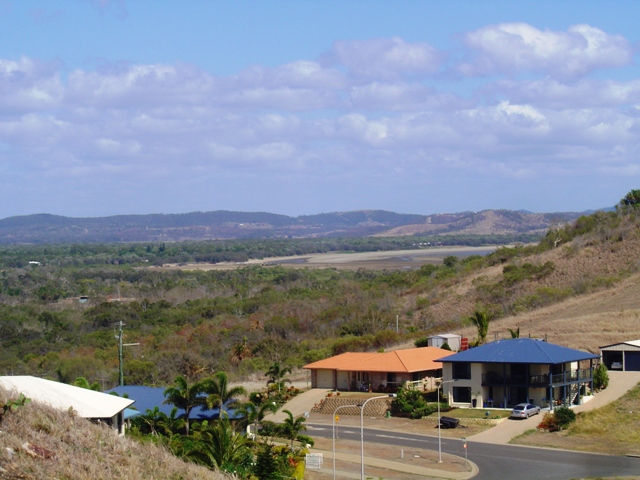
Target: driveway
299, 405
619, 384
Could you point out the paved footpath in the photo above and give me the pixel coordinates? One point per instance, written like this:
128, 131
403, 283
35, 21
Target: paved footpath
391, 465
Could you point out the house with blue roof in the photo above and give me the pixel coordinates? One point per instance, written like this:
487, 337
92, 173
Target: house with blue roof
507, 372
147, 398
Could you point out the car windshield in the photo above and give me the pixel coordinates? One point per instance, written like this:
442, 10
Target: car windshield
519, 407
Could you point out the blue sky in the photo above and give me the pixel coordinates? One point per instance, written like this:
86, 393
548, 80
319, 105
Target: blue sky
302, 107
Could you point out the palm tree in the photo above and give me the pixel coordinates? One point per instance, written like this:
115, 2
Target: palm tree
240, 351
631, 199
254, 414
276, 375
481, 320
171, 424
515, 333
219, 395
293, 426
151, 420
221, 446
185, 397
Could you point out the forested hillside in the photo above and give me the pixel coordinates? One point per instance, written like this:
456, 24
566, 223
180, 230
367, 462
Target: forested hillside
241, 321
48, 229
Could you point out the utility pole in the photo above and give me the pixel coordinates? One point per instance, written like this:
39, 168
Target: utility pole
120, 356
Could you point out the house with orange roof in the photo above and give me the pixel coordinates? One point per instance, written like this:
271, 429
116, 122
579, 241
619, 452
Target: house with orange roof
378, 371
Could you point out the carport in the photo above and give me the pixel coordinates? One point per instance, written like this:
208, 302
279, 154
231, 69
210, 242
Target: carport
625, 353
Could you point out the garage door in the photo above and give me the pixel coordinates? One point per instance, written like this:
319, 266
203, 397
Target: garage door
343, 380
325, 379
632, 361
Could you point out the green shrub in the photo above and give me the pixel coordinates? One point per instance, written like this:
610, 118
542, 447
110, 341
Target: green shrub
409, 403
450, 261
421, 342
564, 416
600, 377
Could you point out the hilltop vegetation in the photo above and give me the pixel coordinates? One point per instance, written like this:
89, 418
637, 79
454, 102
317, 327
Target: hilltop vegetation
194, 323
47, 229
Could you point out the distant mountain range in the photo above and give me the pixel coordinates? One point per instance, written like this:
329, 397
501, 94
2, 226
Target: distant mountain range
221, 224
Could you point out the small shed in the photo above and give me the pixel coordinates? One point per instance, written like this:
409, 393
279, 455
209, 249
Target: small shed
622, 356
453, 340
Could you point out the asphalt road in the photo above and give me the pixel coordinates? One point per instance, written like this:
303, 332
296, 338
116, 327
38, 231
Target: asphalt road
498, 462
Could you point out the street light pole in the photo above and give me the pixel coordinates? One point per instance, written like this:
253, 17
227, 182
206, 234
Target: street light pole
392, 395
334, 435
439, 439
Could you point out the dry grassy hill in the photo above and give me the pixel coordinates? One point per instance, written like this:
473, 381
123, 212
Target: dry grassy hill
588, 297
38, 442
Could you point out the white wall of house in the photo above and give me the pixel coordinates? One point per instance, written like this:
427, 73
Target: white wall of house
473, 386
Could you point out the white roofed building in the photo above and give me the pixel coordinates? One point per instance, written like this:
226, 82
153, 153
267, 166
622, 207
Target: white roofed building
86, 403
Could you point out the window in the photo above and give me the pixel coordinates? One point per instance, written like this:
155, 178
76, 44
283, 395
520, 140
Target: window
462, 394
461, 371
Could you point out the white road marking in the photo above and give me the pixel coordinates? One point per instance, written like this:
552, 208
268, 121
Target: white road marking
396, 437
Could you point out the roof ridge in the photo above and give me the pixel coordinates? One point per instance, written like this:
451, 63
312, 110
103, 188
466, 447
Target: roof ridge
543, 350
406, 367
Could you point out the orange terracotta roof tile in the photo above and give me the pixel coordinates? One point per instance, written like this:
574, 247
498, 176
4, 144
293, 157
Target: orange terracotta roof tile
406, 361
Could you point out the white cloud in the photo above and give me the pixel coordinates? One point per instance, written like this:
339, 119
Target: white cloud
386, 58
391, 118
27, 85
518, 47
551, 93
402, 96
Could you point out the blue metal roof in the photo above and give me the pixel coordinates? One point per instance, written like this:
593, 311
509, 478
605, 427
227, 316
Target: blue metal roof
520, 350
130, 413
146, 398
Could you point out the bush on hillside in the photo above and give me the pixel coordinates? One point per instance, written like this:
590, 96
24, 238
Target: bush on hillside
421, 342
564, 416
600, 377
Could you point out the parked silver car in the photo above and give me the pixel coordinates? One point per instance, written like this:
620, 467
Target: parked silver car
616, 365
524, 410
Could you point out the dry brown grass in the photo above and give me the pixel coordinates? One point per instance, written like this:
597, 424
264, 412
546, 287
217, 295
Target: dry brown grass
81, 450
613, 429
607, 313
585, 322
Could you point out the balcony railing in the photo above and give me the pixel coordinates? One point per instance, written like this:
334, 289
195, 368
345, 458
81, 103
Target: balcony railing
493, 378
584, 375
